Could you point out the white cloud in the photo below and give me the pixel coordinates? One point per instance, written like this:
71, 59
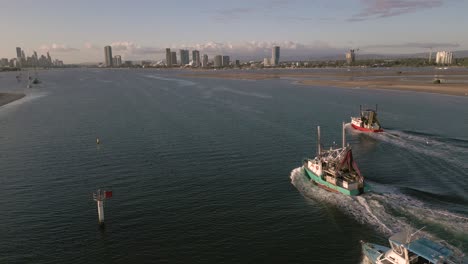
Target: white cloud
91, 46
133, 51
373, 9
420, 45
57, 48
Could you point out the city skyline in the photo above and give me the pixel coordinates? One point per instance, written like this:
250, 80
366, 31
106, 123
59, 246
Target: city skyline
248, 29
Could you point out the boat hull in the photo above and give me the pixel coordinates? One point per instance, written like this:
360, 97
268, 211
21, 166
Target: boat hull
331, 187
363, 129
372, 252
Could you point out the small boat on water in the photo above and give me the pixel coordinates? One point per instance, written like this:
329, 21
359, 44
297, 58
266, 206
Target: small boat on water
335, 169
367, 122
407, 248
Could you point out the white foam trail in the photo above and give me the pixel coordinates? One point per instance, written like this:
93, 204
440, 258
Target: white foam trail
105, 81
426, 145
240, 92
180, 82
378, 209
363, 202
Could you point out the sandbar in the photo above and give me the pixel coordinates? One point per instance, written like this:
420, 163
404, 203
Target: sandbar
453, 82
6, 98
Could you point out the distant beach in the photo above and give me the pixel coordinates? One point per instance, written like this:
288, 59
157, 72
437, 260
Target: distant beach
6, 98
452, 82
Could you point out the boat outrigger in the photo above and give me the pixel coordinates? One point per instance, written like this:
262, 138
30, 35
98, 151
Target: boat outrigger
335, 169
367, 122
407, 248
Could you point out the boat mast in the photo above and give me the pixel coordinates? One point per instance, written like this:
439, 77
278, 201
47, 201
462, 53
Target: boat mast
318, 141
344, 136
376, 107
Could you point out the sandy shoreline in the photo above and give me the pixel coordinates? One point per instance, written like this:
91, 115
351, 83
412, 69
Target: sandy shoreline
452, 82
428, 87
6, 98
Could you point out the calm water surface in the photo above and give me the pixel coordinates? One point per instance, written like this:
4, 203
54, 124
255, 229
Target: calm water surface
203, 170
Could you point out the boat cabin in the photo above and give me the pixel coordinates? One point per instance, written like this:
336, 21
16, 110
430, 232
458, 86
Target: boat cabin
407, 250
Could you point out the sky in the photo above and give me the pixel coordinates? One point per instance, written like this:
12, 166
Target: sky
76, 31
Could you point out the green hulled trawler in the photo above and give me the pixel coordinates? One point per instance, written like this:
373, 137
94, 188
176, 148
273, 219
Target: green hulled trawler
335, 169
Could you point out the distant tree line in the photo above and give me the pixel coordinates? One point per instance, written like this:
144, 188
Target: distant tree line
404, 62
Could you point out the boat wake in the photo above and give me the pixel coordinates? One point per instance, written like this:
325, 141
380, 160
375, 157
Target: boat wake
426, 144
389, 212
180, 82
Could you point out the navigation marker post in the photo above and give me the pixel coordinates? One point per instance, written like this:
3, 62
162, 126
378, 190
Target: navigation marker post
100, 196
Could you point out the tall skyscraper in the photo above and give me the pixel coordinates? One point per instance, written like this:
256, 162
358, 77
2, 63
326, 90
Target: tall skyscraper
49, 59
205, 61
350, 57
196, 58
18, 52
184, 57
174, 58
35, 58
275, 55
218, 61
168, 58
117, 61
108, 56
225, 61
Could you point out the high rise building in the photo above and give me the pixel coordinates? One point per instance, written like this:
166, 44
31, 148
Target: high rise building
168, 58
266, 62
225, 61
275, 56
444, 57
35, 58
4, 62
205, 61
117, 61
184, 57
196, 58
108, 56
174, 58
218, 61
14, 63
350, 57
237, 63
18, 52
49, 59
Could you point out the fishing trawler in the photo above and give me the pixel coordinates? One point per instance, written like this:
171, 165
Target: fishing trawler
335, 169
407, 248
367, 122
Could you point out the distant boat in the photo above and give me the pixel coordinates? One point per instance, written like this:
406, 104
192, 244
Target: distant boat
29, 85
406, 248
367, 122
335, 170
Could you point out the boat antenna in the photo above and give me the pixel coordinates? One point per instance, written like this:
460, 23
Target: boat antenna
318, 141
410, 236
344, 136
360, 110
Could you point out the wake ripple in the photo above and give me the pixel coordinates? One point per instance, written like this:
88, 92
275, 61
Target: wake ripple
387, 212
425, 144
180, 82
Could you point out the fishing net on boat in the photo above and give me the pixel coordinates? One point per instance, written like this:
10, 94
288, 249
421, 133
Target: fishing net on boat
349, 163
